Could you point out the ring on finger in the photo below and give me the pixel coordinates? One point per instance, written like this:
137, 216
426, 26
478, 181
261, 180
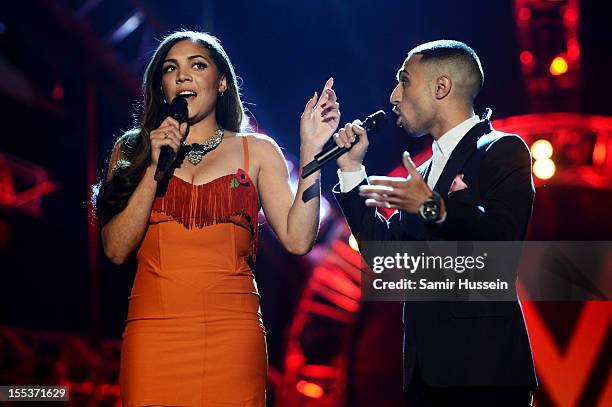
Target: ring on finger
165, 134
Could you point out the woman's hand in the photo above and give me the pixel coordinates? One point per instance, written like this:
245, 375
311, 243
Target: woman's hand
169, 133
320, 119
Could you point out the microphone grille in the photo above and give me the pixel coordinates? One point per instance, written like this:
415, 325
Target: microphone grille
178, 109
376, 122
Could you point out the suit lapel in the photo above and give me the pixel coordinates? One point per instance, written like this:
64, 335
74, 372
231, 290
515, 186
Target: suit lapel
459, 156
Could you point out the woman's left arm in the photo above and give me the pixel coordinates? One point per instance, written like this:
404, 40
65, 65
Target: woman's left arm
295, 217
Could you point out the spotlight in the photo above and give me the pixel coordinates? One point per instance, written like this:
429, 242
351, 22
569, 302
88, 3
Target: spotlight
541, 149
558, 66
544, 169
526, 57
524, 14
308, 389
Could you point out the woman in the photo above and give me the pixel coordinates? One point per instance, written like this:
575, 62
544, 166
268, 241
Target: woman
194, 334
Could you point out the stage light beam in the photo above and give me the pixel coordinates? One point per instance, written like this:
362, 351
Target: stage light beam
353, 243
129, 26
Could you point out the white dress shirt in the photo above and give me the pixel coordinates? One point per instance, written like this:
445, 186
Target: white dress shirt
441, 148
444, 146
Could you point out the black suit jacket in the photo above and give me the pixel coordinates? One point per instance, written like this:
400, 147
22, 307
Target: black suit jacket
464, 343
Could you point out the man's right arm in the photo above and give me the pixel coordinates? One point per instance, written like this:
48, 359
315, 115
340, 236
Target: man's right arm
365, 222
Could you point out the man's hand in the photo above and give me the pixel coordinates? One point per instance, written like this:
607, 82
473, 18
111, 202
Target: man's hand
406, 194
347, 137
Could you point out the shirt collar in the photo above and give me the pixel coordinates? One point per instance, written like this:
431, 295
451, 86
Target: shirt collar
449, 140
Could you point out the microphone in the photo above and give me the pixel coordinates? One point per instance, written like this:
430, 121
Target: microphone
179, 112
372, 124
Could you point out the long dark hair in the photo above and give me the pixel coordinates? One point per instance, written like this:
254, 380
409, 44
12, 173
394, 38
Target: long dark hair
133, 149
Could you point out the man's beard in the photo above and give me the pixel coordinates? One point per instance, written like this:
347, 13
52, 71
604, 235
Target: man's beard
411, 131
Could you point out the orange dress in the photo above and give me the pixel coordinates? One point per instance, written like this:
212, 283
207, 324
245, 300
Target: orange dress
194, 334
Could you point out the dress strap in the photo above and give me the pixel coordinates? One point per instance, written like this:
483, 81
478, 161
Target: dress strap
245, 149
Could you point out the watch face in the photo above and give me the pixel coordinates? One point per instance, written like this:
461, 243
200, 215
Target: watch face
430, 210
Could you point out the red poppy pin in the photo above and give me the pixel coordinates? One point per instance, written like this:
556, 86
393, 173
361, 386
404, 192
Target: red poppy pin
241, 177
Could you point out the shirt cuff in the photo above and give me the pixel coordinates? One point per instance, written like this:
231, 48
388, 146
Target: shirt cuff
350, 179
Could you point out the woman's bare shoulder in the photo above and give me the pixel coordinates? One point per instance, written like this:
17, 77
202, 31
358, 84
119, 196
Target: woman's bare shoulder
260, 142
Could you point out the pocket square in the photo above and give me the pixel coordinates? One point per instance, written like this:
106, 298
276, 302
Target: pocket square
457, 184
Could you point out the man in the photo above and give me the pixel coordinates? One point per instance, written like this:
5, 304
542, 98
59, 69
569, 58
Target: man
477, 186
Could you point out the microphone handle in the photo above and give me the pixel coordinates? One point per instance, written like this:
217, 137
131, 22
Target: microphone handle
330, 153
165, 160
322, 158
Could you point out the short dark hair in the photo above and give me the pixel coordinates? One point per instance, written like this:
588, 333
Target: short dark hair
458, 56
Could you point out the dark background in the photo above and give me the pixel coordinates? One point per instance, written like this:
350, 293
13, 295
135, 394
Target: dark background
283, 51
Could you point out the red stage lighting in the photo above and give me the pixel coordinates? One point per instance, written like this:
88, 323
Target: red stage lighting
308, 389
558, 66
58, 91
526, 57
